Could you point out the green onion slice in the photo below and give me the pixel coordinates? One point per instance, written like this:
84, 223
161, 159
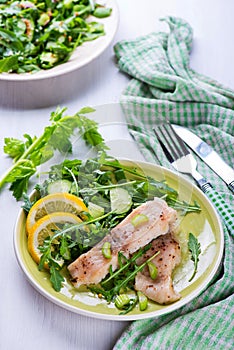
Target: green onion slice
106, 250
143, 301
121, 300
153, 271
139, 220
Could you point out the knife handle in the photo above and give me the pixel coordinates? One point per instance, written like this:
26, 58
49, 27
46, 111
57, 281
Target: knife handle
225, 210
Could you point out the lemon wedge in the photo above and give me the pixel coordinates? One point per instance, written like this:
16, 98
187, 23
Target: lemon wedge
46, 226
55, 202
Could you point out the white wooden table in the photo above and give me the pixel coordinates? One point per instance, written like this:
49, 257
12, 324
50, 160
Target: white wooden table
27, 319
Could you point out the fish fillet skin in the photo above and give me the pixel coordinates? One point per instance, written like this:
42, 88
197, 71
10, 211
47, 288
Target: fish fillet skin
161, 289
92, 267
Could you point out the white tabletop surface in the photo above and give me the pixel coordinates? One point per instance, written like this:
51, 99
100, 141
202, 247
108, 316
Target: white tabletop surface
28, 320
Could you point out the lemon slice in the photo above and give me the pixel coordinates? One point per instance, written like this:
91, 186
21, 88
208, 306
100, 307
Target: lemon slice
45, 227
56, 202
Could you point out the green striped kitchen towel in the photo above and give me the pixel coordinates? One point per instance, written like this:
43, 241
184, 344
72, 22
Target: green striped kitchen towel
163, 86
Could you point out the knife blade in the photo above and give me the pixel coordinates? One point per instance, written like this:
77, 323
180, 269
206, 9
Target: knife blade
208, 155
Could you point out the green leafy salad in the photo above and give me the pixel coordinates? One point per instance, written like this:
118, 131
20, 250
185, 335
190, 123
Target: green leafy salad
36, 35
109, 189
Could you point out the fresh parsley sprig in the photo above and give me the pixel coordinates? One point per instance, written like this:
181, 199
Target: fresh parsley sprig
29, 154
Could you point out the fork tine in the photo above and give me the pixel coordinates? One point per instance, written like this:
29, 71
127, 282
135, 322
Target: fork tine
170, 141
181, 143
166, 146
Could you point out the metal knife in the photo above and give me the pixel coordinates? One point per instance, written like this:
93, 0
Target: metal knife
208, 155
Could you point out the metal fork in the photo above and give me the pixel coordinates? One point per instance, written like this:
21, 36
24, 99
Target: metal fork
183, 161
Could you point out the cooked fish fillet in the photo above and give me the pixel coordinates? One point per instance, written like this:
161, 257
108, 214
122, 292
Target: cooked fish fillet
161, 289
92, 267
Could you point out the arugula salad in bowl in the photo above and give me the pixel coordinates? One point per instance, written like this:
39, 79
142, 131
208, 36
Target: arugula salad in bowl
107, 237
38, 35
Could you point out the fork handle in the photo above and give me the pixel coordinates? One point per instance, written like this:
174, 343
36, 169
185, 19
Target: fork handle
225, 210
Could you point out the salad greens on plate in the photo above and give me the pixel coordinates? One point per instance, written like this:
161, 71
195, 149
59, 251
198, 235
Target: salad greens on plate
94, 181
40, 34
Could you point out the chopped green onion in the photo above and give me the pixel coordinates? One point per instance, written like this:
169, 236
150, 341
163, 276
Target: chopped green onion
106, 250
43, 19
143, 301
153, 271
139, 220
121, 300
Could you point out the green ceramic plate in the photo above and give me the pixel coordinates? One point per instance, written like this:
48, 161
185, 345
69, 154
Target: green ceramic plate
205, 225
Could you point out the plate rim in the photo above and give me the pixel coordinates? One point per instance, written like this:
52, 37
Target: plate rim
70, 66
172, 307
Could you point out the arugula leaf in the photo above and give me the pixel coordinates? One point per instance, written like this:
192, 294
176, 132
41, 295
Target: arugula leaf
183, 206
55, 277
27, 203
54, 268
195, 250
64, 248
11, 39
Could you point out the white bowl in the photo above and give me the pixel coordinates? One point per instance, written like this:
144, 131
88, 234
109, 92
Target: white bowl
49, 87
